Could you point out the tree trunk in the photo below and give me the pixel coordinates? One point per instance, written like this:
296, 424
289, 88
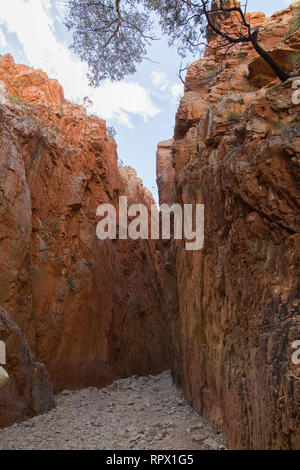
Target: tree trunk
268, 58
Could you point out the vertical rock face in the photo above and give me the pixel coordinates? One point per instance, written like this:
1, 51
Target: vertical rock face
91, 310
165, 171
236, 150
29, 390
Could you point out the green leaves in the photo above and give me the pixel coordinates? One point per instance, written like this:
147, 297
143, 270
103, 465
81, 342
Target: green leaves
182, 21
112, 36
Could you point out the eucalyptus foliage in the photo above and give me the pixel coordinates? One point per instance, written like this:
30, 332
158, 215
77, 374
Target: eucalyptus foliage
112, 35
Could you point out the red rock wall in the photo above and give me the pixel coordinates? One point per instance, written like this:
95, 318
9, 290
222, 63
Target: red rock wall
91, 310
236, 150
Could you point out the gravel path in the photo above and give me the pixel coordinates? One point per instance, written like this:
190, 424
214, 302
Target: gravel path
135, 413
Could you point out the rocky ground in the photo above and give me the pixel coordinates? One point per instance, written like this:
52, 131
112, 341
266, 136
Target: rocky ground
135, 413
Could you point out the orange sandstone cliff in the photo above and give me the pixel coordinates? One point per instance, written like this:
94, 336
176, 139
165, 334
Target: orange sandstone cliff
237, 151
90, 310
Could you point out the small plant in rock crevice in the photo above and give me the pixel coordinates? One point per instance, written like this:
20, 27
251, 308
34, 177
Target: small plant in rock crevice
294, 59
212, 74
71, 283
74, 255
235, 115
16, 100
295, 20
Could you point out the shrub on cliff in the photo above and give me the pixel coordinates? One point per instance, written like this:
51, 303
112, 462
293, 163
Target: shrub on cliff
111, 132
112, 35
295, 20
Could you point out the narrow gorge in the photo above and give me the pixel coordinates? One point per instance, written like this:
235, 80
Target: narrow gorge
80, 313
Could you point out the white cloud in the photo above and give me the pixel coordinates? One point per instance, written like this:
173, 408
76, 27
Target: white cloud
168, 89
32, 22
115, 100
176, 90
3, 42
159, 79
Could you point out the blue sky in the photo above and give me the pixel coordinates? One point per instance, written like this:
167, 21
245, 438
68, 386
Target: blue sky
141, 108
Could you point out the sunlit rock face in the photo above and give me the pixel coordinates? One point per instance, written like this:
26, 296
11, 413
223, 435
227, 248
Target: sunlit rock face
90, 310
236, 150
